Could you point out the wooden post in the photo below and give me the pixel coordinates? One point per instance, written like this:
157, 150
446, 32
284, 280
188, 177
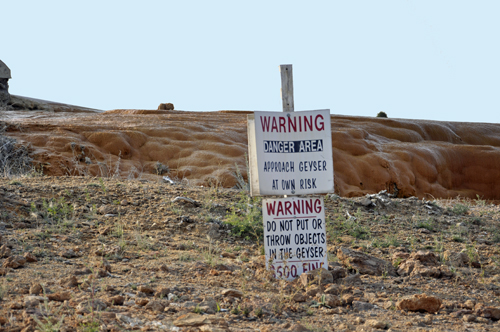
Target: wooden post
287, 87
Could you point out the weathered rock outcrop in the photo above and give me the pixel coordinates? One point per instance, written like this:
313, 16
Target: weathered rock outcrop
419, 158
4, 85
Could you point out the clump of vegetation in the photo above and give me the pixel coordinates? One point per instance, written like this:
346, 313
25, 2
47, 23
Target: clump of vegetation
460, 209
161, 169
381, 115
14, 159
246, 218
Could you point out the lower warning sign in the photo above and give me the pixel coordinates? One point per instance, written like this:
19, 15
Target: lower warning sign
294, 235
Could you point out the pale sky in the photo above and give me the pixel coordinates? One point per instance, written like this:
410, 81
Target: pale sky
437, 60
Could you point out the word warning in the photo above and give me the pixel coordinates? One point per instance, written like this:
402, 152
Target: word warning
290, 153
294, 235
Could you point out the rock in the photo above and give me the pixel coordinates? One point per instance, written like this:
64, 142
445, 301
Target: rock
4, 251
318, 276
456, 259
338, 272
420, 302
228, 255
30, 258
209, 306
363, 306
155, 306
162, 292
91, 305
68, 253
70, 281
190, 319
332, 289
469, 318
104, 264
347, 298
116, 300
487, 312
35, 289
82, 272
297, 327
426, 258
299, 297
4, 271
364, 263
142, 302
166, 107
145, 289
14, 262
231, 293
313, 290
59, 296
424, 264
469, 304
376, 324
16, 305
33, 301
331, 300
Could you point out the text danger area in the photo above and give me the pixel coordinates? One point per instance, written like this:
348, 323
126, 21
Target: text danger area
315, 145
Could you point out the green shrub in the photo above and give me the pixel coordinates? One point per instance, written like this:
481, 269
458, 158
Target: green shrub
246, 218
382, 115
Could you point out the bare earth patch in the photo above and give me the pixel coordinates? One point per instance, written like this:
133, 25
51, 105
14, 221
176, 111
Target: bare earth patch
88, 254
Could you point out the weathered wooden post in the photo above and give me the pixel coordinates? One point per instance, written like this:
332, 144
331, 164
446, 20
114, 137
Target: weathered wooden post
287, 87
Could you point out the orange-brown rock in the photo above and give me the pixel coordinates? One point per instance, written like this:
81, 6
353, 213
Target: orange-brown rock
421, 158
420, 302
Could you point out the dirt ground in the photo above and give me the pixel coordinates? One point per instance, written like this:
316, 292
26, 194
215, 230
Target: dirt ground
101, 254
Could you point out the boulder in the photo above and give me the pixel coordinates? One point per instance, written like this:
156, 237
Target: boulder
420, 302
166, 106
364, 263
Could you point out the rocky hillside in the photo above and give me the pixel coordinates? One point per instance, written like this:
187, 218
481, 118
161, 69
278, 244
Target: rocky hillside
88, 254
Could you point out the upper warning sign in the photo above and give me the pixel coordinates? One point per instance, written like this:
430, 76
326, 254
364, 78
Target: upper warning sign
290, 153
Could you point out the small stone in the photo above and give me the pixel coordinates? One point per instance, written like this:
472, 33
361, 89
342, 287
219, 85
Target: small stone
331, 300
362, 306
359, 320
163, 268
469, 304
376, 324
162, 292
59, 296
104, 264
145, 289
142, 302
469, 318
70, 281
33, 301
190, 319
332, 289
16, 305
68, 253
155, 306
299, 297
14, 262
231, 293
347, 298
4, 251
420, 302
35, 289
116, 300
166, 107
313, 290
30, 258
297, 327
228, 255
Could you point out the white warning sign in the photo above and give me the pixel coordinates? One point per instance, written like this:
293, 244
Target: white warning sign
294, 235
